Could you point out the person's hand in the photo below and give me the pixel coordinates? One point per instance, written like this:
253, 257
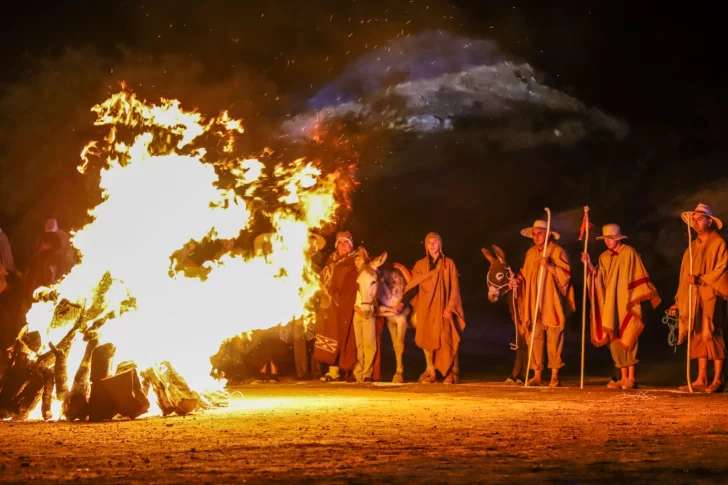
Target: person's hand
546, 264
696, 281
587, 260
514, 283
399, 308
357, 309
447, 314
672, 311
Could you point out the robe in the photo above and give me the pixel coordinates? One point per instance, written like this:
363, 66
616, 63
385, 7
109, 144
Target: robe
710, 261
557, 293
619, 284
439, 289
335, 344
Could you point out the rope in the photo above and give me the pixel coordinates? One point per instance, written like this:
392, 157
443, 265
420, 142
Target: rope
672, 324
640, 396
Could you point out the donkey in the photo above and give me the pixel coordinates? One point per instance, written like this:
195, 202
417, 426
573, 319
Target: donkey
499, 275
381, 292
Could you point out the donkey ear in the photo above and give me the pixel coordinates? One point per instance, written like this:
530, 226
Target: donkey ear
488, 255
378, 261
499, 252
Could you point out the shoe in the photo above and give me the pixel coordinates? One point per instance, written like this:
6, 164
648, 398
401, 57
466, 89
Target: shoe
350, 378
449, 379
368, 380
511, 381
614, 385
519, 382
628, 384
328, 378
714, 387
273, 378
423, 376
554, 383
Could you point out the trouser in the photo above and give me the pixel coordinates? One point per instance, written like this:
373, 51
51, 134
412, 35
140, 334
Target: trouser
554, 337
300, 350
713, 349
365, 335
621, 356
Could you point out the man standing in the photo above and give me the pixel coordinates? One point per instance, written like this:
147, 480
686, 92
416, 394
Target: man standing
335, 344
557, 300
708, 282
617, 287
439, 312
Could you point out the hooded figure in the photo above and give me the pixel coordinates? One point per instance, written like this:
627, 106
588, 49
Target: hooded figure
439, 311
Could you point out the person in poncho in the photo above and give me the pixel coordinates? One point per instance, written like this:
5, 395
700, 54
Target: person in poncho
708, 282
439, 312
334, 343
617, 287
556, 304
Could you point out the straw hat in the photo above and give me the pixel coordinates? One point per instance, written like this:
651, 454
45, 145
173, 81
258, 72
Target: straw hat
702, 210
317, 240
538, 224
613, 232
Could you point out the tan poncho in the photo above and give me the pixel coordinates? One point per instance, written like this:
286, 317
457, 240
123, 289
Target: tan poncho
710, 261
616, 288
439, 289
557, 293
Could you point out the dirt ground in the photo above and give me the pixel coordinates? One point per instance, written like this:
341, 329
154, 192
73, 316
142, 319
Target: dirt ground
476, 432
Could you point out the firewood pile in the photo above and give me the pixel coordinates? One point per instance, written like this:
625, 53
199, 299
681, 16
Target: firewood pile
36, 377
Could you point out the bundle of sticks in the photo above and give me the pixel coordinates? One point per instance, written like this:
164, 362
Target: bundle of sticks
95, 394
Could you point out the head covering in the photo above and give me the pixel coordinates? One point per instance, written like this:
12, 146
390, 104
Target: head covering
539, 224
344, 236
317, 241
51, 225
613, 232
433, 235
702, 210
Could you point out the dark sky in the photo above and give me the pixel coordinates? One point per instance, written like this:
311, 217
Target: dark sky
633, 59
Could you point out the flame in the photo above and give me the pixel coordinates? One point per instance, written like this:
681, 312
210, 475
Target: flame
162, 195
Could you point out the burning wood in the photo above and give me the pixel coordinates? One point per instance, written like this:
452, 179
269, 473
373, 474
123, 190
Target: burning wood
75, 406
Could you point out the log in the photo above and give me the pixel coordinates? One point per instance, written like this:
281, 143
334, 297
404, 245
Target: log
32, 340
16, 377
152, 379
75, 406
29, 398
101, 362
61, 373
47, 398
181, 396
120, 394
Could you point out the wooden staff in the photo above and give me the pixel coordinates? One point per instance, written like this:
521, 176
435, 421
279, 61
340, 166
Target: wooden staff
538, 293
583, 298
690, 303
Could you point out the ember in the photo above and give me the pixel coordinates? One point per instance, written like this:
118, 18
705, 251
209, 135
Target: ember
137, 297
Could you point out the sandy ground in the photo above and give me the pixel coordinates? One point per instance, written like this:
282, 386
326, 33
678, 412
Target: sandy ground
412, 433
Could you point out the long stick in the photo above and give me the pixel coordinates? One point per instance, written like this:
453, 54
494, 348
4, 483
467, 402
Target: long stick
583, 298
690, 304
538, 293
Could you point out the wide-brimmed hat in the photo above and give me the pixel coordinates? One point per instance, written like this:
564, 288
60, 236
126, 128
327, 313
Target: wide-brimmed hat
541, 225
317, 241
702, 210
613, 232
344, 236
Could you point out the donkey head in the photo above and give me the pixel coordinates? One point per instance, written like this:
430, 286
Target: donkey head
368, 281
499, 273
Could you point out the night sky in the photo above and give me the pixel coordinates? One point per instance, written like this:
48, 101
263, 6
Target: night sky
658, 68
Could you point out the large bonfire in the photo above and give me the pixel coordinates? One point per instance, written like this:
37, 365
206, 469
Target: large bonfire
170, 181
